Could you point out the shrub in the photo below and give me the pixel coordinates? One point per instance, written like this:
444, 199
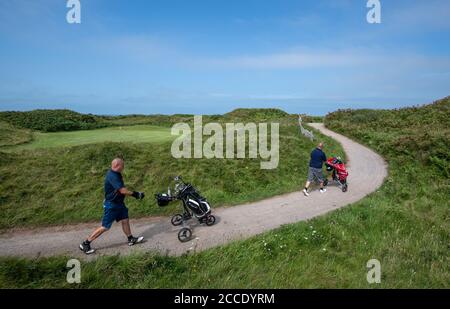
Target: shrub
52, 120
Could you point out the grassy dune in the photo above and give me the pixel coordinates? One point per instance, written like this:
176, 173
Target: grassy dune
405, 225
11, 136
43, 183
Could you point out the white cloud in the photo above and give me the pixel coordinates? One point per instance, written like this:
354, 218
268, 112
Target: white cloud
357, 58
288, 60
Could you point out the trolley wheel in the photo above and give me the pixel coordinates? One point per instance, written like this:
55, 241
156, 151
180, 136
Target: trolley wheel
344, 188
177, 220
210, 220
184, 234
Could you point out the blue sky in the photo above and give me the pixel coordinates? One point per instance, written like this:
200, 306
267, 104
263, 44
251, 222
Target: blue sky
192, 56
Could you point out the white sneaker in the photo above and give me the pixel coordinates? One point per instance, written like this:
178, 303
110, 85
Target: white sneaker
86, 248
305, 192
323, 190
135, 240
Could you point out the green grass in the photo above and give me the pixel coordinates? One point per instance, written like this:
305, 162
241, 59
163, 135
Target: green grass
405, 225
132, 134
43, 186
10, 135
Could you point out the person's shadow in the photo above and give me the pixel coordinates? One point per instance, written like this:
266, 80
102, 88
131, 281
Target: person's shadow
163, 227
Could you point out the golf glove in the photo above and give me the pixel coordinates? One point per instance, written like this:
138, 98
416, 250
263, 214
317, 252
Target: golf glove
138, 195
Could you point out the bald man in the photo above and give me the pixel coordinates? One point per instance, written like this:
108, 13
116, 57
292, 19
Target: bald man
318, 157
114, 206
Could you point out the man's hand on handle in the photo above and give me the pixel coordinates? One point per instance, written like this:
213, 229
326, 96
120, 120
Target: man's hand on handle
138, 195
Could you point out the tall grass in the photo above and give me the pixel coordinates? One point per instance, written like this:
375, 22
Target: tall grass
11, 136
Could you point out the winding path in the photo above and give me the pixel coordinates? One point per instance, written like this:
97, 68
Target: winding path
366, 168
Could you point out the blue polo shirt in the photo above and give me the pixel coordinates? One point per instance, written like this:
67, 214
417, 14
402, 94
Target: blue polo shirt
114, 182
318, 157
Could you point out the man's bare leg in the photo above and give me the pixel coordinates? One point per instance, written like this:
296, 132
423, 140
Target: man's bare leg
96, 234
127, 231
85, 246
126, 227
305, 190
307, 184
322, 189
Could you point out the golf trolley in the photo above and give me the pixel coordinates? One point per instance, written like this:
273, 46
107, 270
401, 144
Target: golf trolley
194, 205
338, 171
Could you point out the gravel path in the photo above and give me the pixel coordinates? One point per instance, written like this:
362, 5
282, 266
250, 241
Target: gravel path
366, 168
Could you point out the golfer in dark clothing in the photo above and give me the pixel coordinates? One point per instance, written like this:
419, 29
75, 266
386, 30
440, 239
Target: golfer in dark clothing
318, 157
114, 207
